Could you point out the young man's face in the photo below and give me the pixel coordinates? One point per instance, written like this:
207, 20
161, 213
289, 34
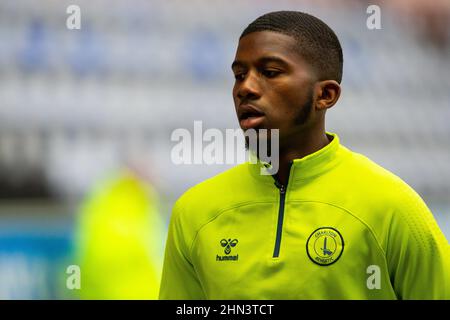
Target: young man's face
274, 85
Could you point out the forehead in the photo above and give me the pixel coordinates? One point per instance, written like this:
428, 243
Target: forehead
257, 45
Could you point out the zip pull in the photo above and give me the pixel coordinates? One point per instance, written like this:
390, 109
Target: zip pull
278, 183
280, 186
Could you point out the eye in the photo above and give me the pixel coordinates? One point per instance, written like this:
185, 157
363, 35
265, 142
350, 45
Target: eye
239, 76
270, 73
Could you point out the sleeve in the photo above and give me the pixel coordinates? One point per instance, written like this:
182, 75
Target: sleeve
179, 278
418, 252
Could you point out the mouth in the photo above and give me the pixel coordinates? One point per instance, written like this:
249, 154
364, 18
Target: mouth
250, 116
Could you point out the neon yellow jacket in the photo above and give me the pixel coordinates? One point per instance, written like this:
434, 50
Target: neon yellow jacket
343, 228
118, 240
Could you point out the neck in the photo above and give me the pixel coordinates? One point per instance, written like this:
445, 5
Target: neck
301, 146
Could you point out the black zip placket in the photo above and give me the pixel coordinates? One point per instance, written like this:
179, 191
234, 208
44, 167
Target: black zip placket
282, 188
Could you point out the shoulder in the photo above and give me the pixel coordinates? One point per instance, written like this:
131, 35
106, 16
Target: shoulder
202, 202
386, 202
216, 188
377, 181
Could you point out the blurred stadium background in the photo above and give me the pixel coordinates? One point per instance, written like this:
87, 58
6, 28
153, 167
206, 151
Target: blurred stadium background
77, 107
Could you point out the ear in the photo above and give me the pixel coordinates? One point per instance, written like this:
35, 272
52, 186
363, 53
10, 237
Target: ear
327, 94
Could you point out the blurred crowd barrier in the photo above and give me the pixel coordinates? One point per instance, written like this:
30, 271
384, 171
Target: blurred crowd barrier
78, 106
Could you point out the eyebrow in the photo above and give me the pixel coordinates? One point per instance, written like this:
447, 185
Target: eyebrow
263, 60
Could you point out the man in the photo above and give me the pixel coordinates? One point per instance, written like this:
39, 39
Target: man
330, 224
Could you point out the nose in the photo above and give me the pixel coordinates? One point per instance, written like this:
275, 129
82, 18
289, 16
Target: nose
248, 88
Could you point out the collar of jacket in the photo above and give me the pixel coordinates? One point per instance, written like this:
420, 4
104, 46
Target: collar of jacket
312, 165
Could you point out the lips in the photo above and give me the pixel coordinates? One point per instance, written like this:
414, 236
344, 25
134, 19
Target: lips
250, 116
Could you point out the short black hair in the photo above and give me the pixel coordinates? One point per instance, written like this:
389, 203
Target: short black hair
317, 42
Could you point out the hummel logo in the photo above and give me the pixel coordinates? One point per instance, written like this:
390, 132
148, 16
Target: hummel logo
228, 244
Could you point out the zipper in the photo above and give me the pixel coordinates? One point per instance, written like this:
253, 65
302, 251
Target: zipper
276, 251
